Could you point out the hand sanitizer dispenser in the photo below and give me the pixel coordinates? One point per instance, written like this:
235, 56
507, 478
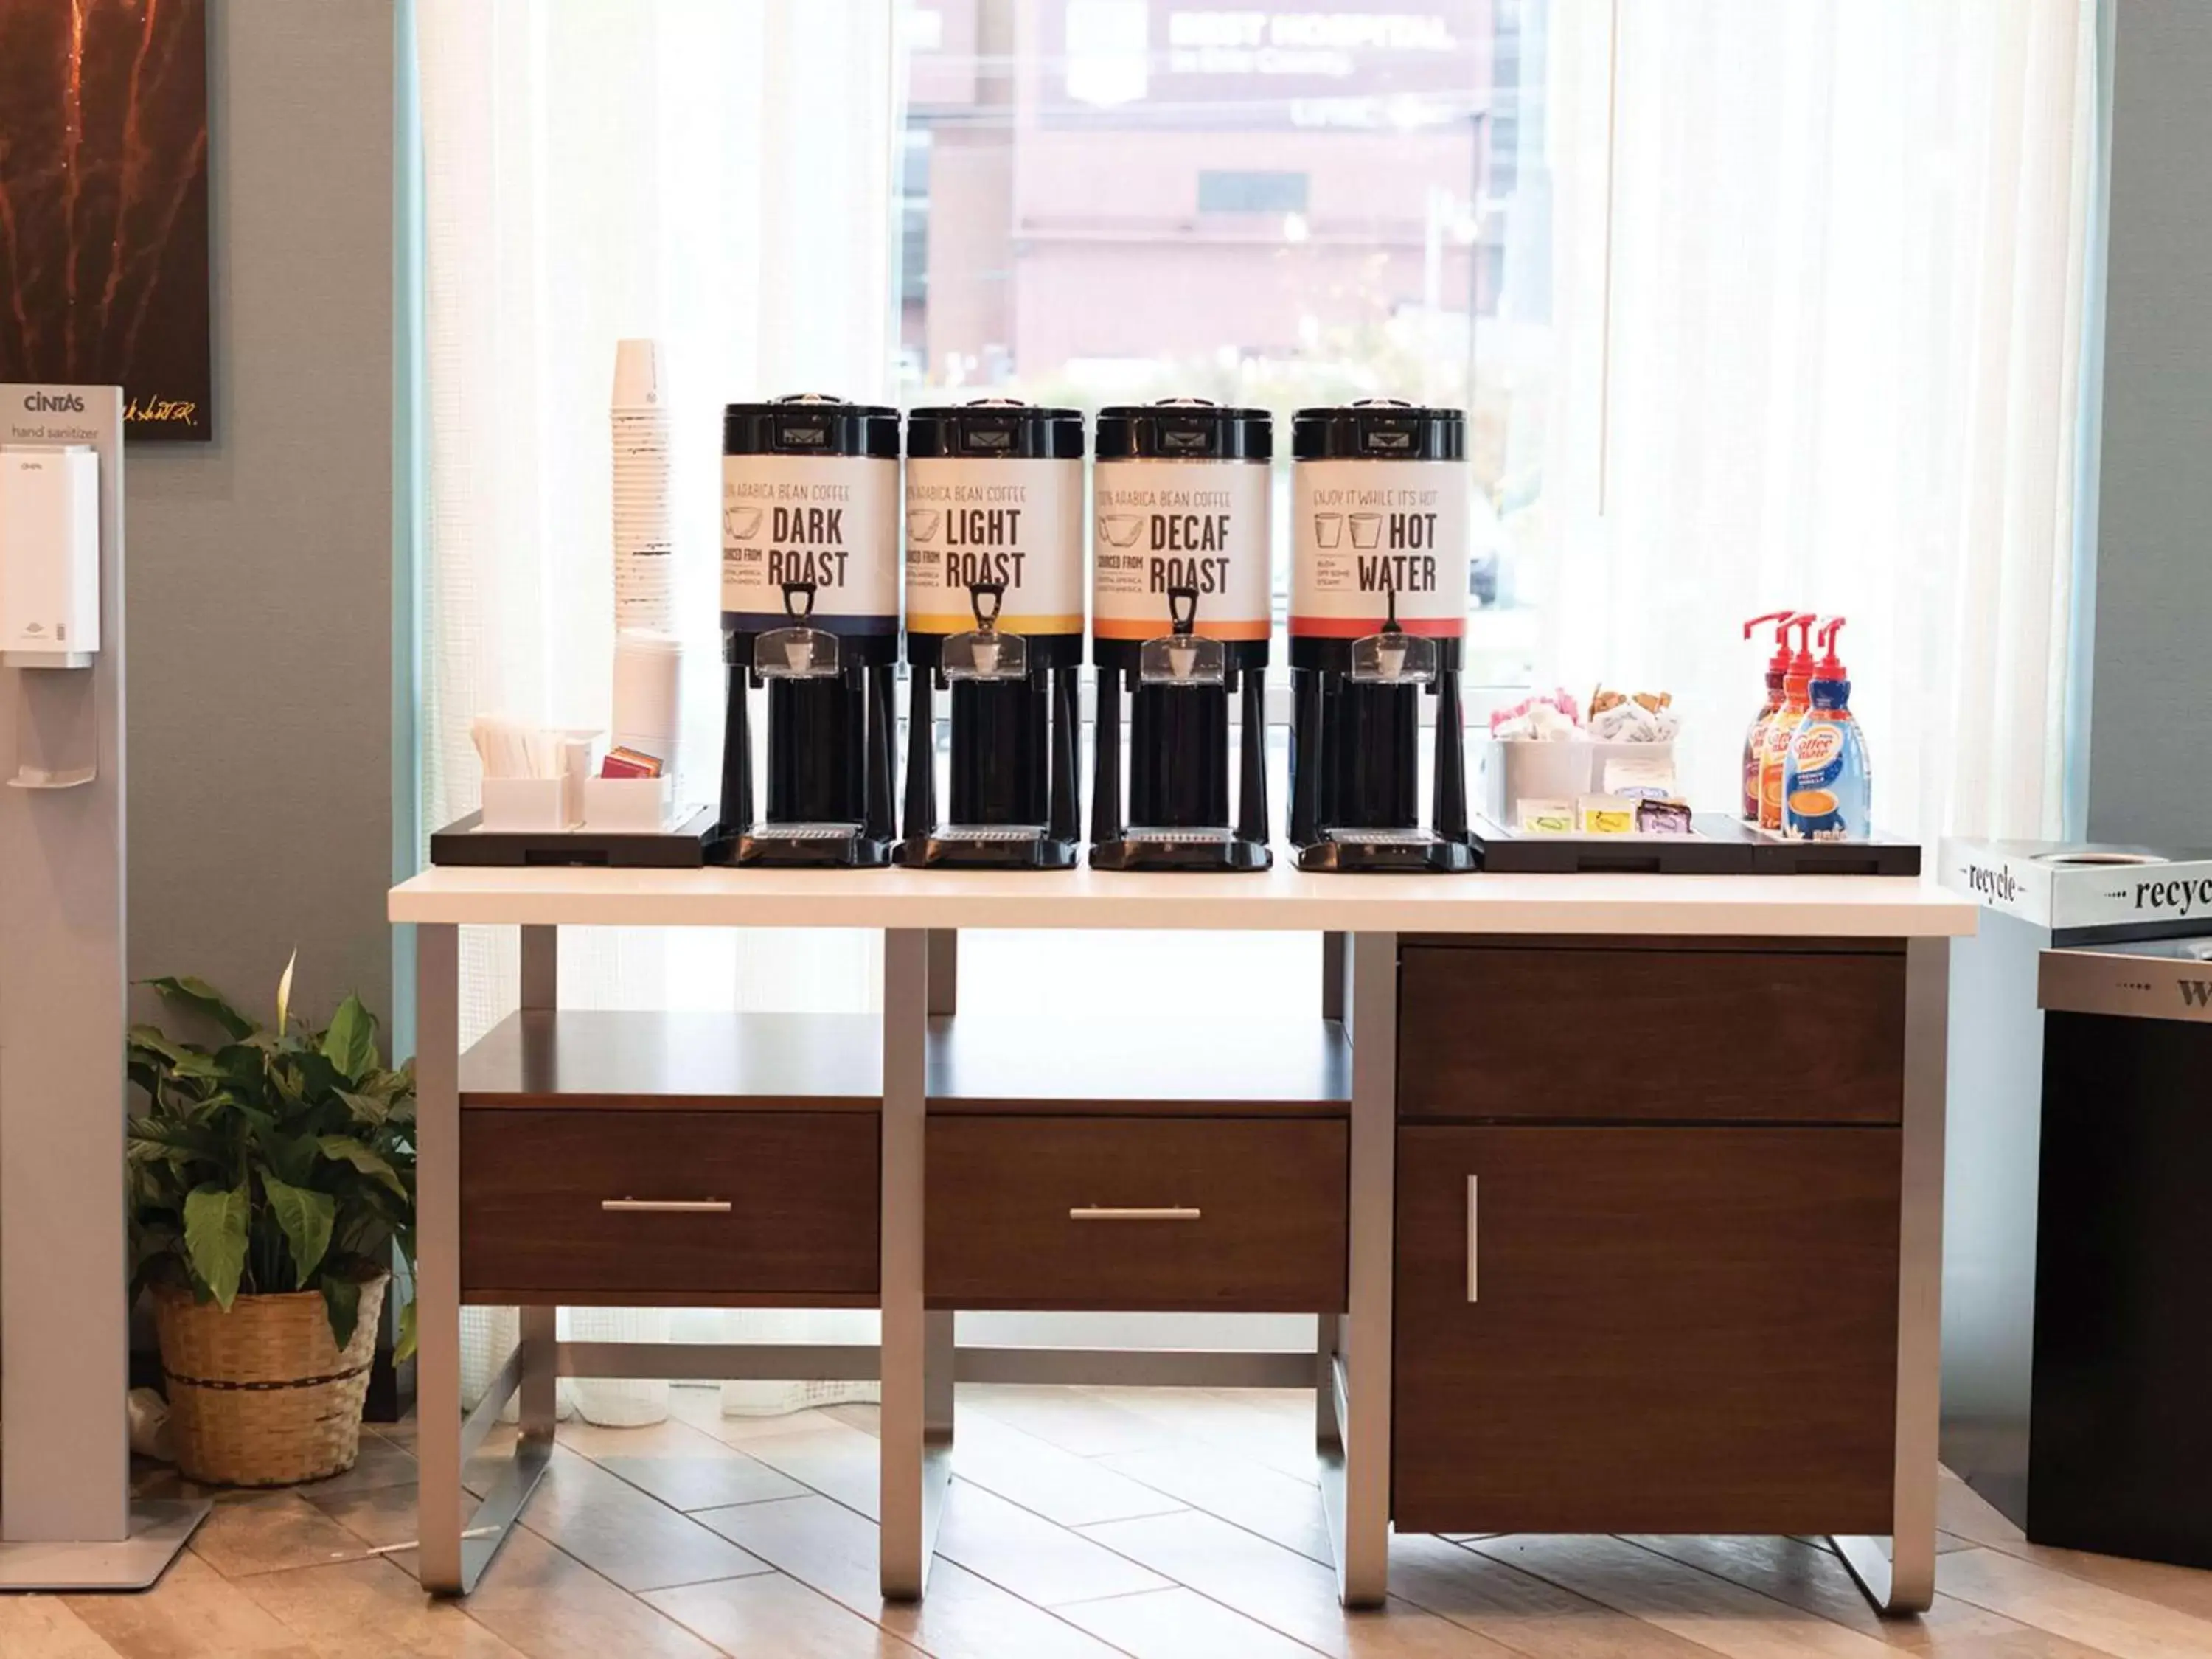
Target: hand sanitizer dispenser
49, 556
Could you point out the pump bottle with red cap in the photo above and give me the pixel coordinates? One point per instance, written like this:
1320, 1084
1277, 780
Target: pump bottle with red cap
1782, 724
1754, 739
1827, 784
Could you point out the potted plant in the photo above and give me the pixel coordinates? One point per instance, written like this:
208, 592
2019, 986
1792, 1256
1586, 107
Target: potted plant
269, 1176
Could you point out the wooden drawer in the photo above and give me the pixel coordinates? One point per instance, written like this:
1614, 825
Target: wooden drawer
801, 1188
1645, 1330
1256, 1221
1685, 1034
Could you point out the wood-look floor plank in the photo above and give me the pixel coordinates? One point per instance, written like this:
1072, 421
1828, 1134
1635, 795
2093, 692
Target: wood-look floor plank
1277, 1439
379, 1463
1245, 1494
1078, 1420
194, 1613
385, 1517
1180, 1624
269, 1532
1027, 1554
371, 1610
1283, 1590
778, 1616
616, 1530
1072, 1490
2124, 1625
701, 1408
1972, 1523
832, 1458
829, 1547
1680, 1600
703, 1483
1817, 1581
44, 1626
551, 1606
1529, 1615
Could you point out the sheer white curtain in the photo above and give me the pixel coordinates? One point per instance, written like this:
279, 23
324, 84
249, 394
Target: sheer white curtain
712, 174
1817, 279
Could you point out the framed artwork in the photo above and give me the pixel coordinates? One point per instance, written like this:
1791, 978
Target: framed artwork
103, 204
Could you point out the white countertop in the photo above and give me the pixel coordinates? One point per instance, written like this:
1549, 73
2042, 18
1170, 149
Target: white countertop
1284, 899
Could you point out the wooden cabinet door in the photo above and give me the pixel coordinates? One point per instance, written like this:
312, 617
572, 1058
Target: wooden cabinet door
1646, 1329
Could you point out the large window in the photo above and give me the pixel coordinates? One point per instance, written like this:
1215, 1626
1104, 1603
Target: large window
1299, 203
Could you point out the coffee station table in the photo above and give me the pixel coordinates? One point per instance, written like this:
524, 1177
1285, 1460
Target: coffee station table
1619, 1197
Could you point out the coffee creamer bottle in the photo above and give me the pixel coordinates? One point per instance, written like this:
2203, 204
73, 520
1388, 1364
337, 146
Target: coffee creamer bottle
1827, 785
1754, 737
1796, 699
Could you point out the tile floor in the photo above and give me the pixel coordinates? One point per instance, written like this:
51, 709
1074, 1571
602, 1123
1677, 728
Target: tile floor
1085, 1523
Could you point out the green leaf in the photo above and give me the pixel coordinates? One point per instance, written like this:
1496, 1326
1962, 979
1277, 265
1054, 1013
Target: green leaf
198, 994
215, 1238
154, 1042
366, 1108
305, 1217
404, 1349
350, 1043
342, 1301
343, 1149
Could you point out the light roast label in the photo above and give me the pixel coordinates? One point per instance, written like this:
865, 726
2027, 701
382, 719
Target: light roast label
1163, 524
832, 521
1019, 522
1365, 530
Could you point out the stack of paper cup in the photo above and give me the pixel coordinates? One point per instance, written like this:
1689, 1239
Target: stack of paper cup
644, 540
648, 694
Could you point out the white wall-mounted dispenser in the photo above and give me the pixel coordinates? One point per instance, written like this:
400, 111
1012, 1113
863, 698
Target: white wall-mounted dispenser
49, 556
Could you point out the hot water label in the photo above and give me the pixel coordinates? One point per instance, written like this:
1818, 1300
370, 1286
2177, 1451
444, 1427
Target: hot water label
1158, 525
1019, 522
1366, 530
831, 520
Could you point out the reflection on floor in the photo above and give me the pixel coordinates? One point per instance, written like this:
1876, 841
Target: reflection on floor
1089, 1523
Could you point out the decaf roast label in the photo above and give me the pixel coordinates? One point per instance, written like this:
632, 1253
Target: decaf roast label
831, 521
1015, 522
1367, 530
1158, 525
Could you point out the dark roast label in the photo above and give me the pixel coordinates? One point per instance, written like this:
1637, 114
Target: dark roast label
830, 522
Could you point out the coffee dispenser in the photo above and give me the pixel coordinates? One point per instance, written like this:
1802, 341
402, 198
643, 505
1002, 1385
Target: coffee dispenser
809, 617
995, 613
1181, 611
1378, 615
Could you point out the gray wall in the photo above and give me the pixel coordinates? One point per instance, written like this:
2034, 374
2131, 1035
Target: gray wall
2150, 749
260, 567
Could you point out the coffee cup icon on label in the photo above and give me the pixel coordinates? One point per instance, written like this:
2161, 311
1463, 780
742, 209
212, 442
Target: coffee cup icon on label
923, 524
1120, 529
1367, 530
1328, 529
742, 522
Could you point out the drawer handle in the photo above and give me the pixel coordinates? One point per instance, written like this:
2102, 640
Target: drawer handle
667, 1206
1105, 1213
1473, 1238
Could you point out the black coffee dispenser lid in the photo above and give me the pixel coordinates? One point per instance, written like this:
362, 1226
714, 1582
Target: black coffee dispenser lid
1378, 429
809, 423
994, 429
1184, 430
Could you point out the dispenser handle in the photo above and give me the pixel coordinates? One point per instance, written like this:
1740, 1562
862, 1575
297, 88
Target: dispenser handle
792, 591
995, 592
1182, 608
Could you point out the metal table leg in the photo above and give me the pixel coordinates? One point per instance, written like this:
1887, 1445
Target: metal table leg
1356, 1480
454, 1553
1899, 1572
914, 1473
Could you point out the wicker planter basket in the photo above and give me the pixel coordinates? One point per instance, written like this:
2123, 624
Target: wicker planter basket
260, 1396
